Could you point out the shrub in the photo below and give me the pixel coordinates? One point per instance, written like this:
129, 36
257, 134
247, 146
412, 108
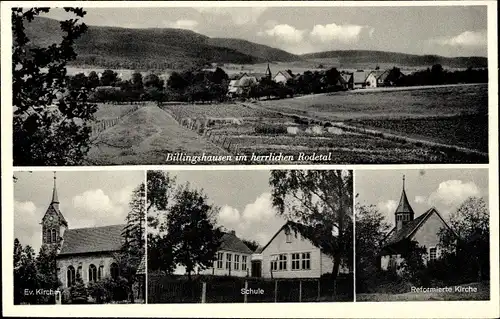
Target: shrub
270, 129
98, 291
78, 292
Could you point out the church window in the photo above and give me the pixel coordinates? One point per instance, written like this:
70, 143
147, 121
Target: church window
432, 253
92, 273
100, 273
54, 236
79, 271
49, 236
70, 274
114, 271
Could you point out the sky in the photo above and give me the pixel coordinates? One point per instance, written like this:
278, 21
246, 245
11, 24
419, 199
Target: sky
87, 199
244, 199
443, 30
444, 189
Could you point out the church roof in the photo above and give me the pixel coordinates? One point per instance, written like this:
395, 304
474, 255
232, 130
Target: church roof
92, 240
408, 229
230, 242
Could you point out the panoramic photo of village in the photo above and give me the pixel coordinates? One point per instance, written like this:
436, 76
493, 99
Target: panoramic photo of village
250, 236
253, 85
79, 238
422, 235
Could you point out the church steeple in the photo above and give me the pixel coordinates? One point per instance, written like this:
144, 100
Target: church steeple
53, 222
268, 72
404, 212
55, 199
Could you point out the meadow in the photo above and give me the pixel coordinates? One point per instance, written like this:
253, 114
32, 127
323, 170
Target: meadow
430, 125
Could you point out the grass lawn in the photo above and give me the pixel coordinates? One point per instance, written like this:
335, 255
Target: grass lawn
428, 102
483, 293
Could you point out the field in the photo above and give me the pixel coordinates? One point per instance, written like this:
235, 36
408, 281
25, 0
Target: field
146, 136
110, 111
483, 293
370, 104
351, 127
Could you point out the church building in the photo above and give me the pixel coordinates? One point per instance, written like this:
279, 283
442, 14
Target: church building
87, 251
423, 229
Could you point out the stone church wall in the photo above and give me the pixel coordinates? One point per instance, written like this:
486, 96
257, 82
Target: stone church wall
63, 262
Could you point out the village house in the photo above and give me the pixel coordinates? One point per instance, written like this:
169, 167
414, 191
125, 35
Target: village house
424, 230
233, 258
282, 77
89, 252
348, 79
375, 78
241, 83
290, 254
359, 79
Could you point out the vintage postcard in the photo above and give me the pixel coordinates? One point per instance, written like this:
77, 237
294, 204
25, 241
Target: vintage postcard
285, 159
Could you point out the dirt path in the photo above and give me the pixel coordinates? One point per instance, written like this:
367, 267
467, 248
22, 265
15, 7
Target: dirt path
145, 137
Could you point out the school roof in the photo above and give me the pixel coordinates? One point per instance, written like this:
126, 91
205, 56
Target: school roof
230, 242
304, 230
92, 240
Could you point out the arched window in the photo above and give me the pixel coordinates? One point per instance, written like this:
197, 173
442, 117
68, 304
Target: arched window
100, 272
92, 273
79, 271
49, 236
70, 276
114, 271
54, 236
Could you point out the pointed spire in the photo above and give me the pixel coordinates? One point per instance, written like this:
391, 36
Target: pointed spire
55, 199
268, 71
404, 204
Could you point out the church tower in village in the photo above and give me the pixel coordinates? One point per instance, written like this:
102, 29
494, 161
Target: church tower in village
53, 222
404, 213
268, 72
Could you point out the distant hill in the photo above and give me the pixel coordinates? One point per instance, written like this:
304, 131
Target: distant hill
260, 51
138, 48
356, 57
167, 48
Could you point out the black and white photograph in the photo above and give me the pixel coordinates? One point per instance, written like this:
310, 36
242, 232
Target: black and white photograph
79, 237
250, 236
422, 235
250, 85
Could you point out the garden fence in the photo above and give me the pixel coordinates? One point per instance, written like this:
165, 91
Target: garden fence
247, 290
